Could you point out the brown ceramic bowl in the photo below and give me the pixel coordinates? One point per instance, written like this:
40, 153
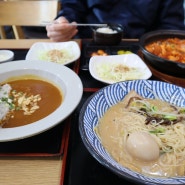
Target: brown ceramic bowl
161, 64
104, 38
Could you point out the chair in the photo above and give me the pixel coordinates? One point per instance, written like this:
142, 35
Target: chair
25, 13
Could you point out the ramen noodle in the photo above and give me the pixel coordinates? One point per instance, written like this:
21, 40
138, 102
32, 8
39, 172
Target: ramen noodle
171, 49
145, 135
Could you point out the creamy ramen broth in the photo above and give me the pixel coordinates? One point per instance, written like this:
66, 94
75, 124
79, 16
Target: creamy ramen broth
148, 148
51, 99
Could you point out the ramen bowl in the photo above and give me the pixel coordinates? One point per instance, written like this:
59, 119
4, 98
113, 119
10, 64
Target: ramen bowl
110, 35
163, 65
63, 78
95, 107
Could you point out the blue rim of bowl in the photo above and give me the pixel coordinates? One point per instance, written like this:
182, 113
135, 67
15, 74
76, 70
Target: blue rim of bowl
127, 173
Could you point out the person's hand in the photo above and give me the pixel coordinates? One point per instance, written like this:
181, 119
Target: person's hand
60, 30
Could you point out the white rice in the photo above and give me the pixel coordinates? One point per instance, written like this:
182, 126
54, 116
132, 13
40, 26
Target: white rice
4, 93
106, 30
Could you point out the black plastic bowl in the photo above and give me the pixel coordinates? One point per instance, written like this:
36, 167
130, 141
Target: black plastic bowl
108, 38
163, 65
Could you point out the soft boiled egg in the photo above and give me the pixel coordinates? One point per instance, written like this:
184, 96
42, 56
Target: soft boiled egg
142, 146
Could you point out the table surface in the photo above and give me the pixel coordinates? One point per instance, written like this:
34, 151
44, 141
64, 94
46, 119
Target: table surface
16, 170
61, 169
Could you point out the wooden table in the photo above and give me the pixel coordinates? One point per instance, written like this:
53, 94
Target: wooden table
19, 44
46, 170
29, 170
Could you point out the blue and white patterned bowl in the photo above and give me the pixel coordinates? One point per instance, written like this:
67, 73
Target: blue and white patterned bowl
97, 105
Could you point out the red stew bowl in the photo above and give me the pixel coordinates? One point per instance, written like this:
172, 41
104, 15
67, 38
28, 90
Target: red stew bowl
161, 64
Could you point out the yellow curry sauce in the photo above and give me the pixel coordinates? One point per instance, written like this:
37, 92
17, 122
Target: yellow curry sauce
51, 99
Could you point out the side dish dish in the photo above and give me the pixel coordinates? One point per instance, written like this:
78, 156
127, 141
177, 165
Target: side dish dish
145, 135
99, 52
6, 55
3, 57
171, 49
115, 68
58, 52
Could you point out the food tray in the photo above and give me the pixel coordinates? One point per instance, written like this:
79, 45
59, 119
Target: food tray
88, 47
89, 83
49, 143
80, 167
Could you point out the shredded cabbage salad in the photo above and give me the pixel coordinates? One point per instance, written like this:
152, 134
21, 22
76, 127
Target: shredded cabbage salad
118, 72
61, 56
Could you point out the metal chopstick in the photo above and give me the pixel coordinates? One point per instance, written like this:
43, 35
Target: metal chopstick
44, 23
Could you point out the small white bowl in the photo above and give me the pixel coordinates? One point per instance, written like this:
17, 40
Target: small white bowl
38, 51
102, 68
6, 55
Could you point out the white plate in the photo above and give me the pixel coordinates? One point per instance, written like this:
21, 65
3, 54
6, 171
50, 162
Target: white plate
66, 79
38, 51
101, 67
6, 55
